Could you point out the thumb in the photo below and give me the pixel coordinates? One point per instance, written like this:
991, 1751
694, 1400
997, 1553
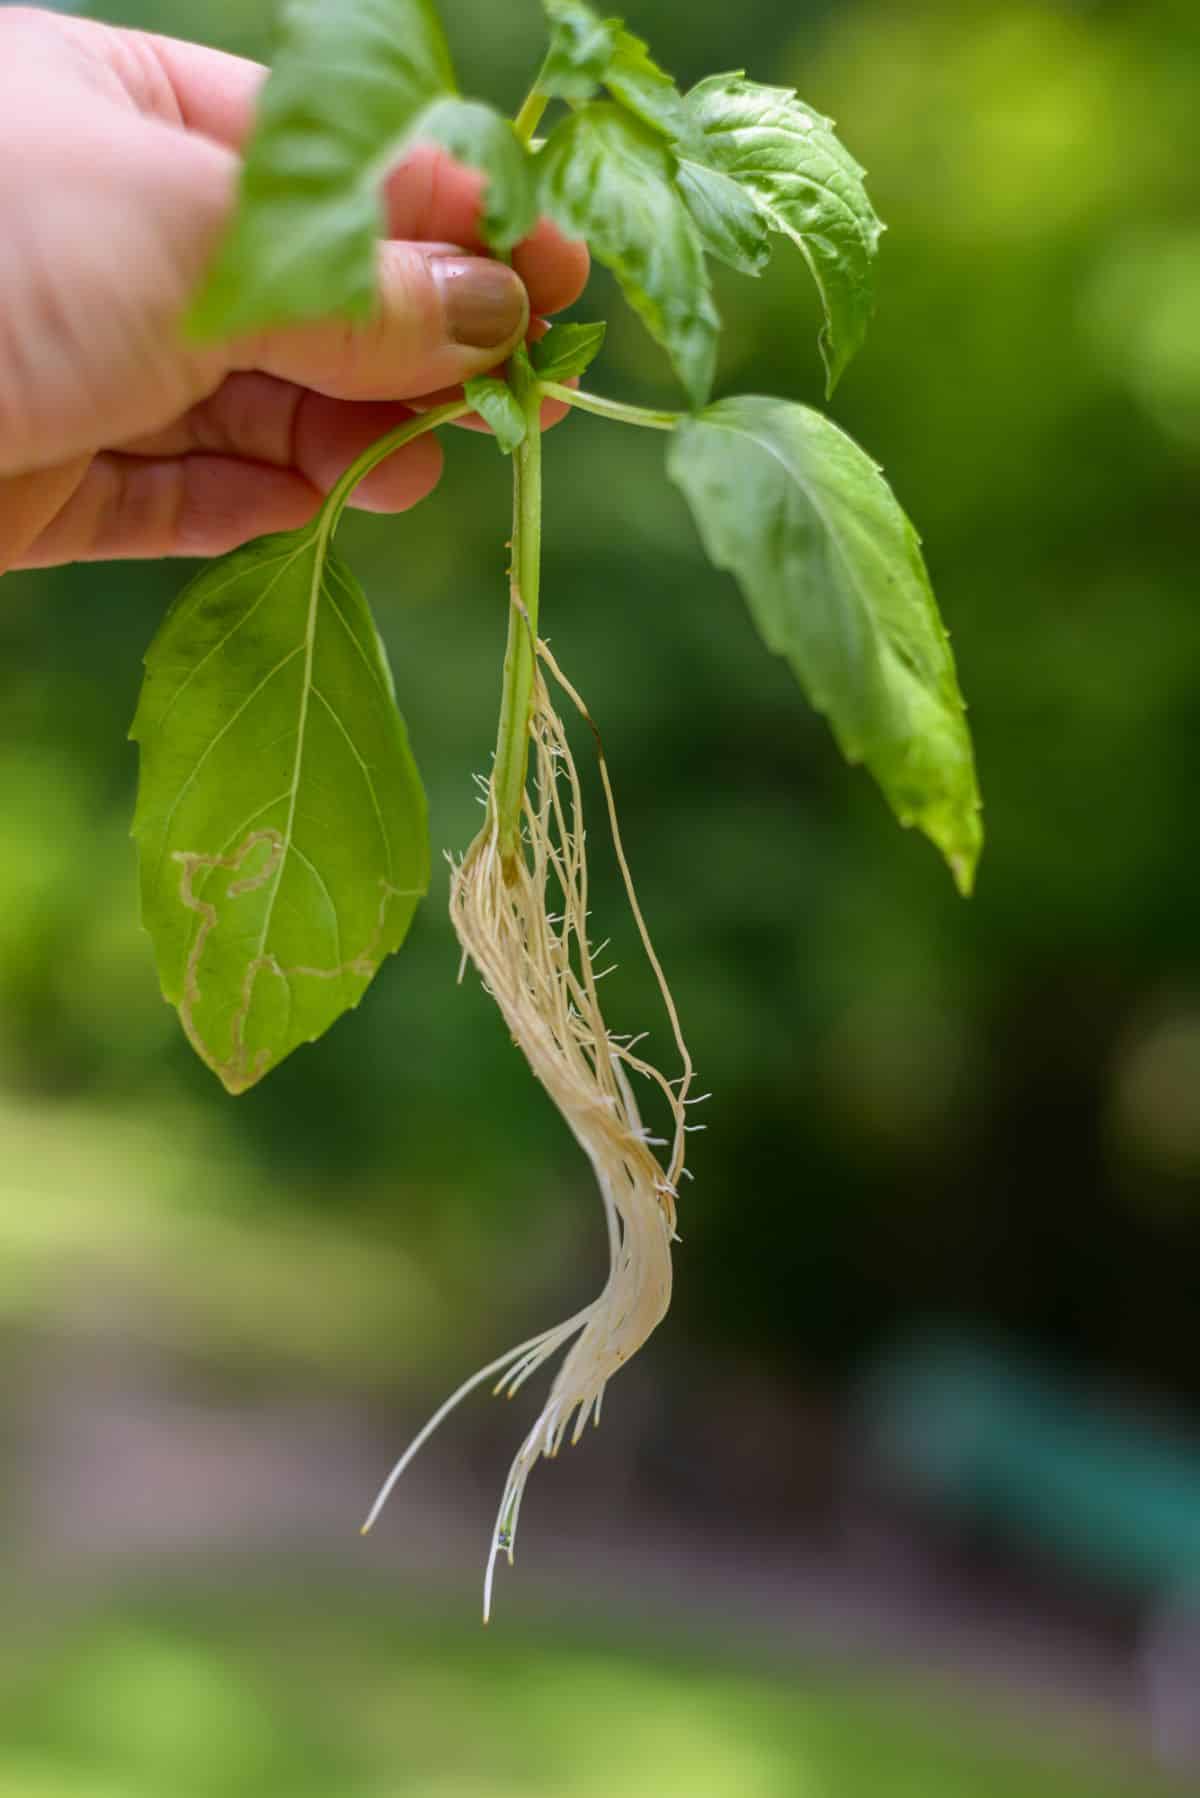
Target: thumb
443, 317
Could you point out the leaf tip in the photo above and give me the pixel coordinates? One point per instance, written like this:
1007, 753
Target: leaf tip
963, 867
963, 850
837, 358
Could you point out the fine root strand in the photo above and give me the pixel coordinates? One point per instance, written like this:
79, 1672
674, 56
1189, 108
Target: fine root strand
523, 923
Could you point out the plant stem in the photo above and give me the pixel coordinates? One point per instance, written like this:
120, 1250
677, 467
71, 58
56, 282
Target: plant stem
379, 452
530, 115
614, 409
516, 708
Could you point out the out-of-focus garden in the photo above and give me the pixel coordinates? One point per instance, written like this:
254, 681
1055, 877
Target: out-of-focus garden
905, 1496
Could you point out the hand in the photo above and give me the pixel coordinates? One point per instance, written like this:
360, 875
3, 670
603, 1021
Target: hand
118, 169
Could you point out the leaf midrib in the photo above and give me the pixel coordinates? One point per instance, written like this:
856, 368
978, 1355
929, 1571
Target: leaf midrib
323, 533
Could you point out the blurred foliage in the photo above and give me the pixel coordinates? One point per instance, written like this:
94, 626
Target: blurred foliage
920, 1105
210, 1699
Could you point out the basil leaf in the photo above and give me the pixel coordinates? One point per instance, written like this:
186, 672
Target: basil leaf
567, 351
731, 226
498, 406
281, 821
833, 574
635, 79
807, 186
609, 179
349, 84
477, 135
581, 49
587, 52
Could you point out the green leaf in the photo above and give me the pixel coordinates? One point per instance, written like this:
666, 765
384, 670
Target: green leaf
731, 226
581, 49
498, 406
587, 52
477, 135
833, 574
609, 179
635, 79
281, 820
567, 351
349, 85
806, 185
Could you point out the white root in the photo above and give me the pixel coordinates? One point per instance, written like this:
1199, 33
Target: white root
524, 924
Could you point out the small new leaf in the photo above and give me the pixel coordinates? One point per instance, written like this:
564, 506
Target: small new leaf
498, 406
587, 52
281, 821
609, 179
806, 185
581, 49
833, 574
349, 85
477, 135
567, 351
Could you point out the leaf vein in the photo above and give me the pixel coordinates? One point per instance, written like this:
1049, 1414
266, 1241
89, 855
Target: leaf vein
368, 777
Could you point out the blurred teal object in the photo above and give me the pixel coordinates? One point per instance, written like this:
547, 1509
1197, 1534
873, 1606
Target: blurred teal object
1000, 1438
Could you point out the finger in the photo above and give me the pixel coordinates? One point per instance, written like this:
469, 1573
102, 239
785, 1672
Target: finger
214, 93
183, 84
441, 320
554, 268
29, 501
431, 197
258, 419
129, 507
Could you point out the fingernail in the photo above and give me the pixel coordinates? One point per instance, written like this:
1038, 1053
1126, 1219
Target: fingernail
484, 303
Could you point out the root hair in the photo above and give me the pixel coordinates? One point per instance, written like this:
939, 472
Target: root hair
522, 922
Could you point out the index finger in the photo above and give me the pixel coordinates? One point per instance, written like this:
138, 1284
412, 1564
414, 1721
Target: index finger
216, 94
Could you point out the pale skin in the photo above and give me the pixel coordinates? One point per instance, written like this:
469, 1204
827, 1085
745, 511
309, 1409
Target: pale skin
119, 157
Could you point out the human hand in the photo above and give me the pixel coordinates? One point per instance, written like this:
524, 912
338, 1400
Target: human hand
118, 169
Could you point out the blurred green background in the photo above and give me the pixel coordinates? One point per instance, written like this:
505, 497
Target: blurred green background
926, 1113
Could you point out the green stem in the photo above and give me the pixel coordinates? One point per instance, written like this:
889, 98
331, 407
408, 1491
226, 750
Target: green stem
379, 452
614, 409
530, 115
520, 668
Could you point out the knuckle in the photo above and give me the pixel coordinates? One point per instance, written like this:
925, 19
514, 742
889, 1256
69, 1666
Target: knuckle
135, 61
411, 314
